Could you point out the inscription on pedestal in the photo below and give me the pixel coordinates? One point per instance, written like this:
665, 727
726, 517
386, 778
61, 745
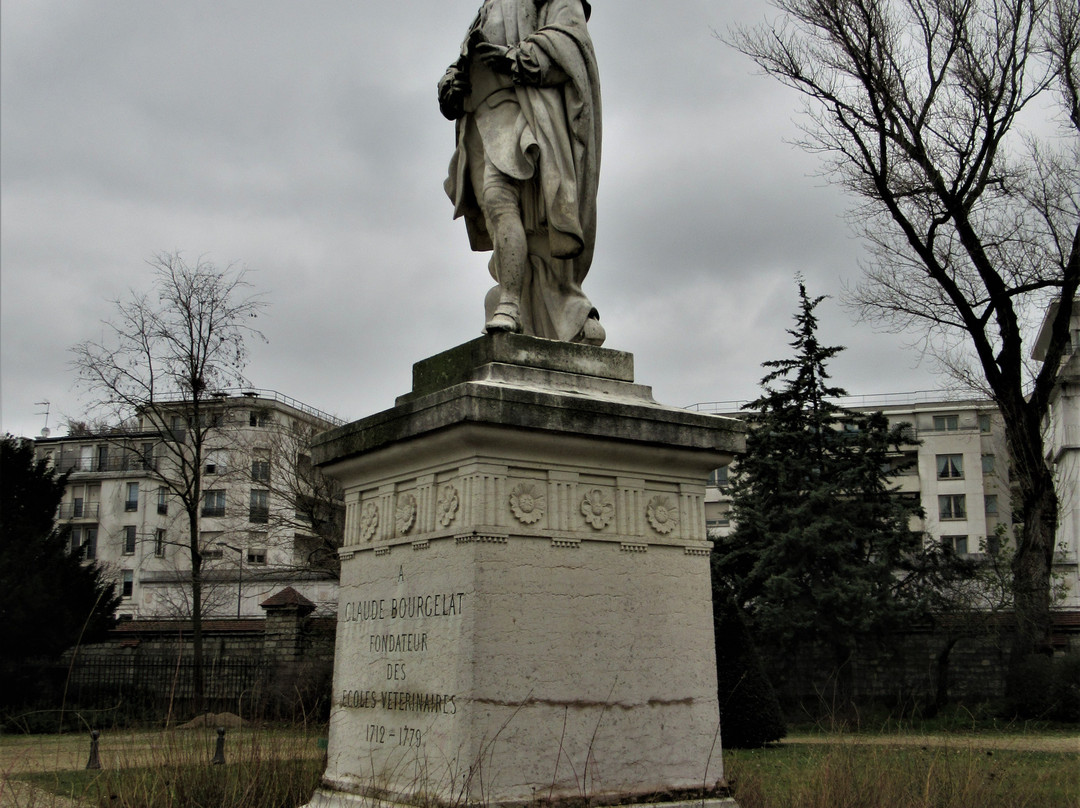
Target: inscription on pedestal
400, 640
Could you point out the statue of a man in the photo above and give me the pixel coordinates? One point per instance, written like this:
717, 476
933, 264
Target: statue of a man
525, 94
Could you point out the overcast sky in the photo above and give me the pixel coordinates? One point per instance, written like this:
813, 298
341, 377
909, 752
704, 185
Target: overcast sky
303, 141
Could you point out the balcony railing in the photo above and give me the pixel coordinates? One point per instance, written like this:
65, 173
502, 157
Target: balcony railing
105, 465
79, 510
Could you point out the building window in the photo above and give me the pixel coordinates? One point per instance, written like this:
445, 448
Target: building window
958, 544
213, 502
84, 542
988, 464
260, 469
215, 462
129, 539
211, 420
256, 555
259, 418
178, 428
128, 584
103, 458
946, 423
952, 506
147, 456
260, 506
77, 508
991, 505
159, 543
209, 546
163, 500
950, 467
719, 478
131, 501
984, 424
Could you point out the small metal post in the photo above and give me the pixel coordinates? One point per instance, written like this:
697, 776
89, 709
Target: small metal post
219, 753
95, 761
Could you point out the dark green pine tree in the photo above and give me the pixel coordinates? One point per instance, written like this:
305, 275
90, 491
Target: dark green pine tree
821, 551
49, 599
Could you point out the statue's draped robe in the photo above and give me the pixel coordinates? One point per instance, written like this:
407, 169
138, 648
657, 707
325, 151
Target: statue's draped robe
544, 131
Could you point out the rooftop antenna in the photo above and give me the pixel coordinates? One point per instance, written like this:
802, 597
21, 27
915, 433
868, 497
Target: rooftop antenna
45, 430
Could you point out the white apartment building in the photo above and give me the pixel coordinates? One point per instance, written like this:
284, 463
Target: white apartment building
256, 529
958, 470
1061, 435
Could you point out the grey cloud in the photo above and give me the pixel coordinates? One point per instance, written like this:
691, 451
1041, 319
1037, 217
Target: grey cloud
303, 141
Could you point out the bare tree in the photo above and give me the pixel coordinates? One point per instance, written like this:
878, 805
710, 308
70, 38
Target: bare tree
305, 504
163, 357
933, 113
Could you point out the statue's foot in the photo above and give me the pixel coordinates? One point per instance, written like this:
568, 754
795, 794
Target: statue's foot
505, 318
592, 333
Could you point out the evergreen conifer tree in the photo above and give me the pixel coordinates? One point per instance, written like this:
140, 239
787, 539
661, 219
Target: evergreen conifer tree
49, 599
821, 552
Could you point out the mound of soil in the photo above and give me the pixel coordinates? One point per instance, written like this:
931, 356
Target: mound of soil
227, 720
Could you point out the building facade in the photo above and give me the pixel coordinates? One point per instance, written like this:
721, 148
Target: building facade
266, 518
957, 466
1061, 437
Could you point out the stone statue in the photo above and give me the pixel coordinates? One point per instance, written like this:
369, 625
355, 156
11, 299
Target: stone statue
525, 94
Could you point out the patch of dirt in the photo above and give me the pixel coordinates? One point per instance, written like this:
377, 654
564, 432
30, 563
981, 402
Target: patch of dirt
227, 720
16, 794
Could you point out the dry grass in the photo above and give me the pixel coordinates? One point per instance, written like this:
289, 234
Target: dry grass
846, 774
268, 768
264, 769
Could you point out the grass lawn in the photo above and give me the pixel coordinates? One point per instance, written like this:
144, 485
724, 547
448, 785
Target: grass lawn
265, 768
268, 768
843, 773
263, 784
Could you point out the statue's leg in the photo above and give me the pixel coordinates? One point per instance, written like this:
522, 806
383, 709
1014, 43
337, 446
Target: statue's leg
502, 209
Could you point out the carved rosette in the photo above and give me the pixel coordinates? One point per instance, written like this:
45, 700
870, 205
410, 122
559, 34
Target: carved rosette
597, 511
527, 504
447, 506
369, 521
405, 516
663, 515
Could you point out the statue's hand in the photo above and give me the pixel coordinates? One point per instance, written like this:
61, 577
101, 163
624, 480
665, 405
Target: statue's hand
494, 56
453, 90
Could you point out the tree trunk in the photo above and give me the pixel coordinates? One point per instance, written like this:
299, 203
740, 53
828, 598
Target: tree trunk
1033, 563
1031, 568
197, 682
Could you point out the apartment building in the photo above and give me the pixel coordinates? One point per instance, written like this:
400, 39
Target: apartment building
266, 518
1061, 436
957, 466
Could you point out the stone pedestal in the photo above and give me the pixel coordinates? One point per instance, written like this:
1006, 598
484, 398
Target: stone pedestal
525, 604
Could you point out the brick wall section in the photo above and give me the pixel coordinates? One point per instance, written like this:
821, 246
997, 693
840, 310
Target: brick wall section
283, 633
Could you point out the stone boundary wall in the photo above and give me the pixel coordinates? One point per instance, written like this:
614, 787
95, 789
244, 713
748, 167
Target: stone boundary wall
907, 672
277, 667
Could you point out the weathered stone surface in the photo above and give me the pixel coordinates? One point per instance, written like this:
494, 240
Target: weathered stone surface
525, 594
524, 91
460, 364
525, 383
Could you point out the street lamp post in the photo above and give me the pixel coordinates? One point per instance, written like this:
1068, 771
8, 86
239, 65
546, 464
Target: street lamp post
239, 576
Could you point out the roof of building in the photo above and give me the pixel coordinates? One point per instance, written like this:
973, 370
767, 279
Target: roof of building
287, 597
